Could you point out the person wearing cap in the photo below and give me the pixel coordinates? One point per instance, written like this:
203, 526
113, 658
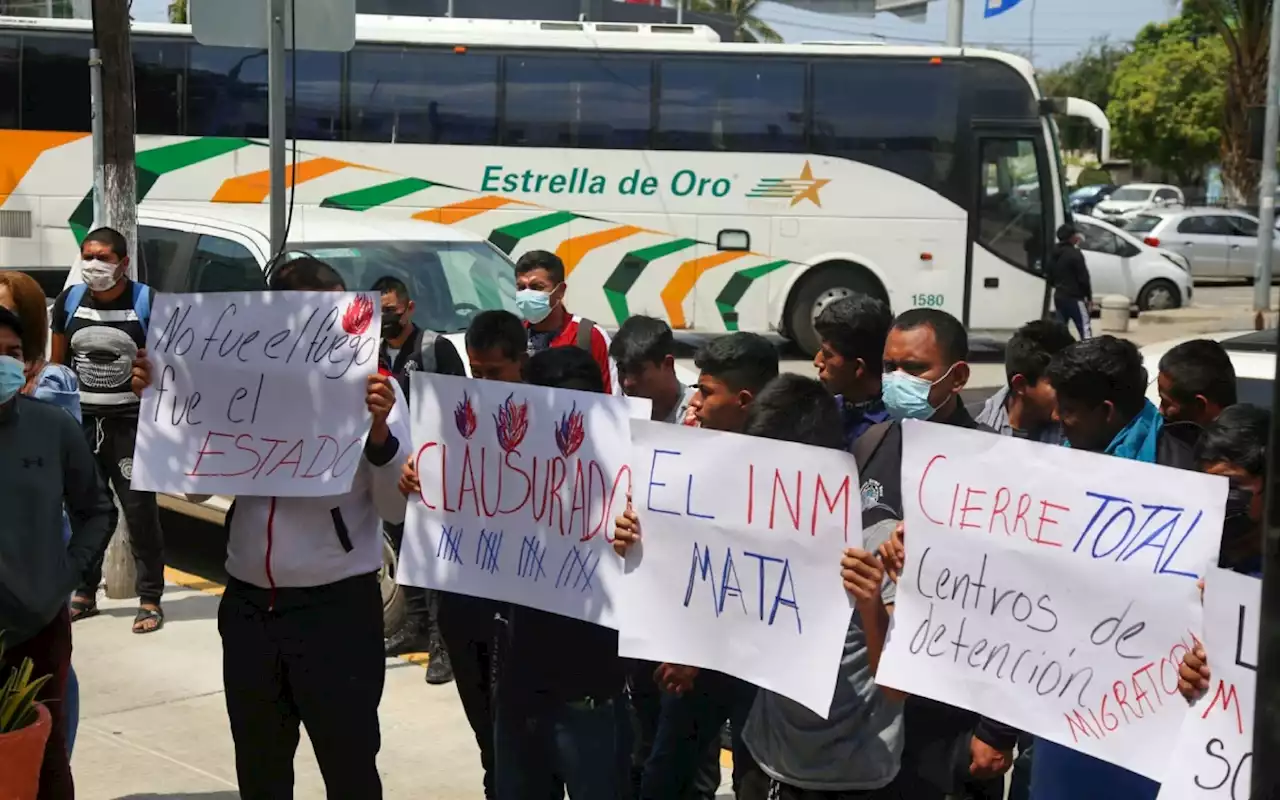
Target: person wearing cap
1069, 277
46, 465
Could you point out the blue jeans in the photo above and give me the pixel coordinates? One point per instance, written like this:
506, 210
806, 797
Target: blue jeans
71, 708
583, 746
688, 726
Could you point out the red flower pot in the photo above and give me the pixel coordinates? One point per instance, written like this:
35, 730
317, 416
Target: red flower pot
21, 754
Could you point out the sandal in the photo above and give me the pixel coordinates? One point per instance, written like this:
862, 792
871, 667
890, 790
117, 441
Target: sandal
146, 615
83, 609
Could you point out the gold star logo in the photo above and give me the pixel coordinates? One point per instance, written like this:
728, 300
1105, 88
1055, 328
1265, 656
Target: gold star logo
805, 187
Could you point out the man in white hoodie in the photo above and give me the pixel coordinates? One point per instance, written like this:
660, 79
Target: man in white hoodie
301, 618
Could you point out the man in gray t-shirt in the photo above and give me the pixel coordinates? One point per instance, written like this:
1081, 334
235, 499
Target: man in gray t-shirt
855, 751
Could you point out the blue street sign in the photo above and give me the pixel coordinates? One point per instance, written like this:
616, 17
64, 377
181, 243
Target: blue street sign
994, 8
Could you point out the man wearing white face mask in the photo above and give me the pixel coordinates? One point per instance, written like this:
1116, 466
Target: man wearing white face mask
540, 299
98, 328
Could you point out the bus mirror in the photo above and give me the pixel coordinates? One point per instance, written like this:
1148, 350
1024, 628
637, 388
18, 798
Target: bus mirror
733, 241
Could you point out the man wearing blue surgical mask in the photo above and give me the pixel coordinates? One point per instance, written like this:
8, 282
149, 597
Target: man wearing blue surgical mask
948, 752
540, 281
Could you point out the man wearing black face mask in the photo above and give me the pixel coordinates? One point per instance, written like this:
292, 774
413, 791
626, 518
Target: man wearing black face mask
407, 348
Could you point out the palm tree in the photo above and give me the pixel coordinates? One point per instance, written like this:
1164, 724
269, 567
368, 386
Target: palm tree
178, 11
747, 27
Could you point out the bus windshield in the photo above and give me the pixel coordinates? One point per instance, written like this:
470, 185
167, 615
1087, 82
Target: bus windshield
449, 282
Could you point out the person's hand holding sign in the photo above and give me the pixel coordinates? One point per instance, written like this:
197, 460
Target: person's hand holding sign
675, 678
380, 398
141, 378
1193, 673
862, 575
893, 553
626, 530
409, 484
987, 761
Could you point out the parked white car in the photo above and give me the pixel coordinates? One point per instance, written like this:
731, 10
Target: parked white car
1120, 263
1136, 197
1218, 243
1252, 353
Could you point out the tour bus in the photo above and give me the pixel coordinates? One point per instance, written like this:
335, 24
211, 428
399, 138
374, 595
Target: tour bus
720, 186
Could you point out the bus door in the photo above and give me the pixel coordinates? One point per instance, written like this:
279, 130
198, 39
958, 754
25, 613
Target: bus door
1010, 228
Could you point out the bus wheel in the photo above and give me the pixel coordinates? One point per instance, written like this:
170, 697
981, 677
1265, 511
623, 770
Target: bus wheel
394, 608
820, 289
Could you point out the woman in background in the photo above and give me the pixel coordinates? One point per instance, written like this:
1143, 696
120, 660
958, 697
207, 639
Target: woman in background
54, 384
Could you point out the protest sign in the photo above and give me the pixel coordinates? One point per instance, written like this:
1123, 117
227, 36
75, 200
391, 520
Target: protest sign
256, 393
1051, 589
520, 488
738, 567
1214, 756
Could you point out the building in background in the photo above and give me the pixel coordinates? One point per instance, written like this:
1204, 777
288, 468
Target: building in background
78, 9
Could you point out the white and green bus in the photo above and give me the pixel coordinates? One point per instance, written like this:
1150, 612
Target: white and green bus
720, 186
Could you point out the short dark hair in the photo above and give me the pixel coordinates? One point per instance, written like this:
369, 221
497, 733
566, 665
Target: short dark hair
856, 327
1238, 436
390, 285
742, 360
793, 408
1200, 367
541, 259
642, 339
10, 320
1065, 232
306, 274
111, 238
1033, 346
565, 368
1100, 369
500, 329
953, 339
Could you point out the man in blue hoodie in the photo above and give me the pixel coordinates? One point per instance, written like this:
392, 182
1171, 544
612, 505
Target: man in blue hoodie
1101, 386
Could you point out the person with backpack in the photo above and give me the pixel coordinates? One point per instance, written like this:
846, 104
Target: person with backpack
98, 328
540, 281
406, 348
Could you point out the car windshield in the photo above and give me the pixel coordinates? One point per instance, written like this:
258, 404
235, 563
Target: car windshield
1085, 192
450, 282
1130, 195
1142, 223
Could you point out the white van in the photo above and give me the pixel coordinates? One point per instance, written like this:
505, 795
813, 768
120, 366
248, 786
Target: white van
452, 275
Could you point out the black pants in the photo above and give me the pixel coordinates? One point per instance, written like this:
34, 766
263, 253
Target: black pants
311, 656
111, 439
756, 785
1074, 310
688, 726
646, 712
468, 629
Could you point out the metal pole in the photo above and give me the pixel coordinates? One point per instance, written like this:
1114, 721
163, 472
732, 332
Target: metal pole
1267, 198
955, 23
99, 159
679, 12
1032, 37
276, 121
448, 11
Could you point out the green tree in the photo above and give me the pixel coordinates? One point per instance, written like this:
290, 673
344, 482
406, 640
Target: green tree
178, 12
1244, 27
1087, 76
747, 27
1167, 103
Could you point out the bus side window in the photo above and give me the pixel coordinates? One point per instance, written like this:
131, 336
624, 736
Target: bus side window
60, 60
9, 81
723, 105
577, 101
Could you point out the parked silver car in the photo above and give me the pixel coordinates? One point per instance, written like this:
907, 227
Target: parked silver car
1219, 243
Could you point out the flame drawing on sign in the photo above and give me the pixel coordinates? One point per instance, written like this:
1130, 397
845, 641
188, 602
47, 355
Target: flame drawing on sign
512, 421
464, 416
358, 316
570, 432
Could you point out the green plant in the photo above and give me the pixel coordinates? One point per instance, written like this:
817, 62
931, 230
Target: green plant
18, 695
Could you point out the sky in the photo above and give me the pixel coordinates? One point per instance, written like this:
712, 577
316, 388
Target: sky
1062, 28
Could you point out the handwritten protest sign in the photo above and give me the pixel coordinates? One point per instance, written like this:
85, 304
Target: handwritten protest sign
738, 568
256, 393
520, 487
1051, 589
1214, 756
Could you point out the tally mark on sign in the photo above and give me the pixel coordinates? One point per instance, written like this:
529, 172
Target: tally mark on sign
358, 316
578, 569
532, 552
464, 416
570, 432
450, 541
512, 422
488, 546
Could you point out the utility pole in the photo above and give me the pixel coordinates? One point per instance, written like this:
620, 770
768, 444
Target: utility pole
955, 23
1267, 198
119, 206
276, 120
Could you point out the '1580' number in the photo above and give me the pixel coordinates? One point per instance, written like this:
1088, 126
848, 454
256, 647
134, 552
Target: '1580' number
928, 300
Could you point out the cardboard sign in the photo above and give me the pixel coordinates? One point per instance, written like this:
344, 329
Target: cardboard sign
256, 393
1214, 756
738, 567
520, 489
1051, 589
